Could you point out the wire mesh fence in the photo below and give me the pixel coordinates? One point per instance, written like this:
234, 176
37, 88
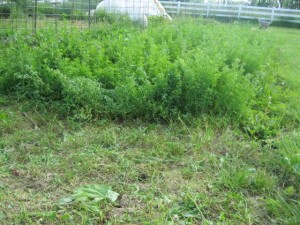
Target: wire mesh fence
45, 14
34, 15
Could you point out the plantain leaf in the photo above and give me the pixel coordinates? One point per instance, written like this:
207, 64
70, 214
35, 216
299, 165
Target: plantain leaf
95, 192
112, 196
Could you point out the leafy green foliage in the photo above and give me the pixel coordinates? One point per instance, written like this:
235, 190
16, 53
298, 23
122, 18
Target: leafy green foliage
188, 67
93, 200
210, 81
90, 196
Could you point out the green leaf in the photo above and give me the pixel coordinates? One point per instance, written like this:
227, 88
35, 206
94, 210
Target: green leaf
112, 196
95, 192
66, 200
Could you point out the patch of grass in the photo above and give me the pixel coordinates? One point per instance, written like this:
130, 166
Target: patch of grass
164, 174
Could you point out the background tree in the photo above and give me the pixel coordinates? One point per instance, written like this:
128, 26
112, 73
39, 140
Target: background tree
23, 4
292, 4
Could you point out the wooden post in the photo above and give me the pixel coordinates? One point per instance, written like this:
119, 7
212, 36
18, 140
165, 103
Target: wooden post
240, 11
272, 15
178, 7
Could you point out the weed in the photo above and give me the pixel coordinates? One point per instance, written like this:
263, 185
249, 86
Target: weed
115, 73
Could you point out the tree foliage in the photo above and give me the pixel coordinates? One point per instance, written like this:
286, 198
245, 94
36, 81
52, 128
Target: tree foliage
291, 4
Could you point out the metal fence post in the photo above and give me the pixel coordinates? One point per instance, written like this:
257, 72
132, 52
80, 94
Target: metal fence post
12, 19
90, 21
17, 17
34, 17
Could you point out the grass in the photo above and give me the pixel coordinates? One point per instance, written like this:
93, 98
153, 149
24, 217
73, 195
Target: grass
202, 169
163, 173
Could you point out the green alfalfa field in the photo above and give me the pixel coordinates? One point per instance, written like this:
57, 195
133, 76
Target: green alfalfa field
189, 122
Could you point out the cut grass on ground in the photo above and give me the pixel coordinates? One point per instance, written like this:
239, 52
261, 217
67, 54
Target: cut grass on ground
164, 173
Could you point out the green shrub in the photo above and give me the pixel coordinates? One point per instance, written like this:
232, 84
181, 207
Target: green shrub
169, 69
82, 97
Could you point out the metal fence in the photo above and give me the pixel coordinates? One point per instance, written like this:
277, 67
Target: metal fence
231, 11
46, 14
53, 14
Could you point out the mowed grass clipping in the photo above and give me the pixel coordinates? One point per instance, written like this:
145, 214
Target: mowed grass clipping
189, 122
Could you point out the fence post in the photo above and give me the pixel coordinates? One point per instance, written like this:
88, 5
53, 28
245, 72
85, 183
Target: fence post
56, 16
12, 19
178, 7
240, 11
208, 8
90, 20
35, 17
272, 15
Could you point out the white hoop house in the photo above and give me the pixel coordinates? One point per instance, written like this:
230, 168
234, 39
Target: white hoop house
135, 9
